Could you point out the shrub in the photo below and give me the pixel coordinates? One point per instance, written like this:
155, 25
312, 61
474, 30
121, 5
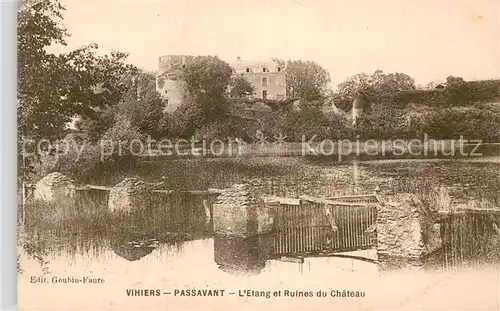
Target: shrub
122, 137
307, 122
231, 127
78, 161
445, 123
118, 148
385, 123
470, 123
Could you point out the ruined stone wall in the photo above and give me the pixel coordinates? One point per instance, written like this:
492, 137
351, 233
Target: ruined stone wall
128, 195
399, 232
238, 212
172, 91
55, 187
230, 211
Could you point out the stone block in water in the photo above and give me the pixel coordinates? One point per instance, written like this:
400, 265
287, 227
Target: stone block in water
238, 213
56, 188
399, 232
128, 195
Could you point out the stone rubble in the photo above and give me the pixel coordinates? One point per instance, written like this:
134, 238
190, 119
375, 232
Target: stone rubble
239, 213
55, 187
128, 195
399, 233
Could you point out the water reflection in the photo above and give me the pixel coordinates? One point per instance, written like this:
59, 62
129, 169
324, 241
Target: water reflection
132, 250
171, 245
232, 255
176, 220
242, 256
193, 266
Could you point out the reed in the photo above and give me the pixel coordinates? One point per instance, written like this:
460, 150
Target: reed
167, 218
195, 174
71, 217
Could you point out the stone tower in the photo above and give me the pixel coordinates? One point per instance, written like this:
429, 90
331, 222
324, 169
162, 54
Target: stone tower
357, 107
168, 83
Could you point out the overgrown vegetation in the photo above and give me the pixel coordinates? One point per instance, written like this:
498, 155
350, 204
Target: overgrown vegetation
87, 223
471, 123
83, 159
116, 101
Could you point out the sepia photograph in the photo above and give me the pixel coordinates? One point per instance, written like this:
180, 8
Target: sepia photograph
258, 155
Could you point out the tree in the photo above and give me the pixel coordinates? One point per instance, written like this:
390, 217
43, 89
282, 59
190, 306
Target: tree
121, 140
187, 118
457, 91
96, 125
207, 75
54, 88
306, 79
378, 84
385, 122
41, 110
119, 149
207, 79
144, 105
41, 113
241, 87
309, 123
96, 84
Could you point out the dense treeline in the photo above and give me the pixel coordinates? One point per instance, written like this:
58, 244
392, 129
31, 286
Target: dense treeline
118, 103
381, 123
472, 123
457, 92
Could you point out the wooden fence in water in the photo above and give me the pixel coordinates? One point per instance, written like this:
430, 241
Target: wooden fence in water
304, 226
470, 237
310, 225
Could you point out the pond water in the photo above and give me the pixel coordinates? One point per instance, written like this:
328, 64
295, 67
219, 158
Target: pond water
188, 256
192, 265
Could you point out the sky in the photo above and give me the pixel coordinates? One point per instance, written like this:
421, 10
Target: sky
428, 40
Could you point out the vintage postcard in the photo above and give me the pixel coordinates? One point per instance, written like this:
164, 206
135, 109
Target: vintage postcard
258, 155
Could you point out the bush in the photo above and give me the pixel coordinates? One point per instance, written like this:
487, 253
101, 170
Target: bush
118, 148
483, 90
470, 123
233, 127
79, 161
445, 123
122, 137
386, 123
307, 122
